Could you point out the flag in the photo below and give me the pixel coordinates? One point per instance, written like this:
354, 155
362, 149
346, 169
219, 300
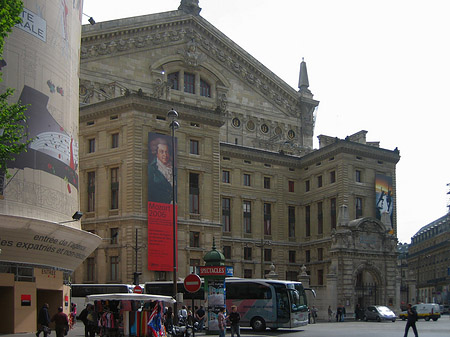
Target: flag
155, 324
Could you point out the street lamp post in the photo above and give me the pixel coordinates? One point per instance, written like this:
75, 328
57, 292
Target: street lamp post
173, 115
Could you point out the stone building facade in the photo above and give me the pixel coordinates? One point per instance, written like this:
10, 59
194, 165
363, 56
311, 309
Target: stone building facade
428, 276
248, 175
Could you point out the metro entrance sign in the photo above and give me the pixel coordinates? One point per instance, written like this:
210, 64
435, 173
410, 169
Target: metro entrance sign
192, 283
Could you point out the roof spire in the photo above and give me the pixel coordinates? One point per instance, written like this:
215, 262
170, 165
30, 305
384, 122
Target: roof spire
190, 7
303, 82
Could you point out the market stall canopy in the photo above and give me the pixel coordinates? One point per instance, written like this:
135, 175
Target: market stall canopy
135, 297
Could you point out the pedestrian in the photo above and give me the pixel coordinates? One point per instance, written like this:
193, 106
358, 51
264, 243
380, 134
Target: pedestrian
314, 314
222, 323
330, 313
43, 320
61, 323
338, 313
411, 322
168, 320
234, 319
200, 317
343, 314
92, 322
83, 317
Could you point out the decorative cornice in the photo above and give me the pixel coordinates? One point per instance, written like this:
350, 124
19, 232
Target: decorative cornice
142, 103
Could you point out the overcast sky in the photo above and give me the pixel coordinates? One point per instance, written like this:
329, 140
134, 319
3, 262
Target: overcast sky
381, 66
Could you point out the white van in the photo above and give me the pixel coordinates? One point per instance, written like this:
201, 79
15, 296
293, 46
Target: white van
426, 311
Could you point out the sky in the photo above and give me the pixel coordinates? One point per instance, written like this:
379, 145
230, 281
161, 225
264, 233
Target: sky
382, 66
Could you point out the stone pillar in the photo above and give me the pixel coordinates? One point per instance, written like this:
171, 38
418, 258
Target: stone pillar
332, 290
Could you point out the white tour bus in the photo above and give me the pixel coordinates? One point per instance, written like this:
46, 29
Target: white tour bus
80, 291
262, 303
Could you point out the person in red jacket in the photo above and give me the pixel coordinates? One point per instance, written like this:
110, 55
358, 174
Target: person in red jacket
61, 323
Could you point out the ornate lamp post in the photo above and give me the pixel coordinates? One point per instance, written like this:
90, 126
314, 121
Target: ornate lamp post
173, 115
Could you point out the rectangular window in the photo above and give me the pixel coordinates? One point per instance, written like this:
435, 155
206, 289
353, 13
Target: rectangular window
320, 254
333, 213
247, 181
90, 269
292, 256
320, 277
291, 186
115, 188
308, 256
291, 219
227, 252
193, 149
247, 253
114, 268
319, 217
307, 186
267, 254
248, 273
332, 177
91, 192
267, 219
172, 80
189, 83
114, 140
194, 239
114, 232
267, 183
359, 208
226, 205
308, 220
247, 217
319, 181
205, 89
194, 193
193, 265
226, 176
358, 176
291, 275
160, 276
91, 148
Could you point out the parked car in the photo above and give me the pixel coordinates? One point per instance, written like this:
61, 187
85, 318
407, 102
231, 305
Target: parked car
426, 311
379, 313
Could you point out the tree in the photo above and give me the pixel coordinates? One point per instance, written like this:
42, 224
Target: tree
12, 116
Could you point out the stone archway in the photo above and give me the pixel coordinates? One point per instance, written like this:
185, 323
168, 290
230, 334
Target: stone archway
368, 286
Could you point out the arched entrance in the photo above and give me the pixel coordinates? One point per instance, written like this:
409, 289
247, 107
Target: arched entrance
367, 288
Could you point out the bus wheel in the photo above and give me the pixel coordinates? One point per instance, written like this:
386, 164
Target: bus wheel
258, 324
427, 318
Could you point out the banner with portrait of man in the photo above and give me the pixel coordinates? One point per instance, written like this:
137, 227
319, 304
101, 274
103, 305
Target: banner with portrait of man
161, 160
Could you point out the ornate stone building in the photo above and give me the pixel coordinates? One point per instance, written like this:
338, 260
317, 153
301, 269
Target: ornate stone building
428, 279
247, 174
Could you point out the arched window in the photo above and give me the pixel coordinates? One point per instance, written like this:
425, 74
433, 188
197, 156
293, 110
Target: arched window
189, 83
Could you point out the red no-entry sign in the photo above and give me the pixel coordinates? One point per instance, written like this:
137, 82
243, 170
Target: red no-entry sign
192, 283
137, 290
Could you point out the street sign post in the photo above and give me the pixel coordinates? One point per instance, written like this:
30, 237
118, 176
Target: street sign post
192, 283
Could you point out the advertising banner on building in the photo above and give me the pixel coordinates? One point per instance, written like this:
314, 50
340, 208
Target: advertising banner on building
384, 196
161, 159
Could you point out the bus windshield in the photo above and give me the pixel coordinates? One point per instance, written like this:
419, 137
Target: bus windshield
297, 297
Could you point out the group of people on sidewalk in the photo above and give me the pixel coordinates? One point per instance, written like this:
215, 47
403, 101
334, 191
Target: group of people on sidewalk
60, 318
233, 318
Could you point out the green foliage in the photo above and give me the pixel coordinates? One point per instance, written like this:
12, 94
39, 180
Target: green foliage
12, 118
12, 124
10, 11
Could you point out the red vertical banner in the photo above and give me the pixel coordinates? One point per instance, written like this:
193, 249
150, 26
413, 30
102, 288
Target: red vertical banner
160, 236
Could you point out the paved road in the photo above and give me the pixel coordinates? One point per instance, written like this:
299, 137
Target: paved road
441, 328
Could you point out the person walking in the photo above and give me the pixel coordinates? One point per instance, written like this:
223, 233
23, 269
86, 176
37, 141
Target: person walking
330, 313
222, 323
83, 317
61, 323
43, 320
411, 322
314, 314
234, 319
